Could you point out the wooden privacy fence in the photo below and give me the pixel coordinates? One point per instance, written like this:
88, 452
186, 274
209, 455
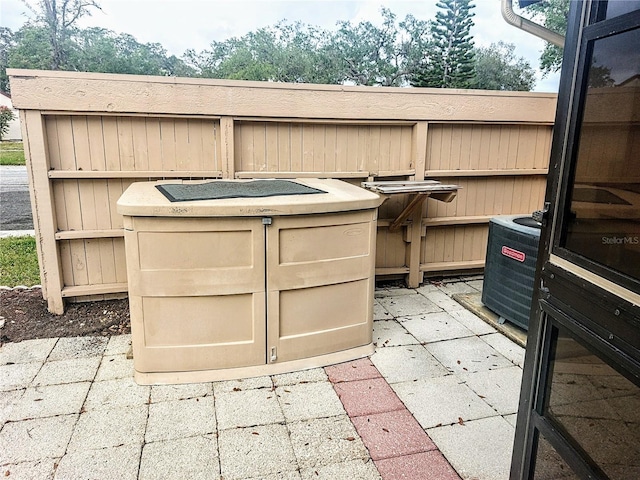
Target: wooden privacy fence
89, 136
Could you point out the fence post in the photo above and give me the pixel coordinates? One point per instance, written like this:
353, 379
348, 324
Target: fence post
44, 216
227, 162
419, 153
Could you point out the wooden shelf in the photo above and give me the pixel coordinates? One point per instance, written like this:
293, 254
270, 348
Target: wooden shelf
421, 190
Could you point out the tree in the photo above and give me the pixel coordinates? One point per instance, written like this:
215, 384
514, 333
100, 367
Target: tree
282, 53
7, 42
449, 63
31, 48
497, 68
380, 55
102, 50
59, 18
553, 14
6, 116
361, 54
415, 39
91, 50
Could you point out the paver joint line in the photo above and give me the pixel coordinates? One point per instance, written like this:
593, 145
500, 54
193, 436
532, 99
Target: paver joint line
368, 418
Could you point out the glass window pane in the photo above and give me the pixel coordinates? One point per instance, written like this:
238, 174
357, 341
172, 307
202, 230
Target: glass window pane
597, 407
616, 8
604, 219
550, 465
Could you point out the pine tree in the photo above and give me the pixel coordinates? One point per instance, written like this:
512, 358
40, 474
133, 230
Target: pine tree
450, 62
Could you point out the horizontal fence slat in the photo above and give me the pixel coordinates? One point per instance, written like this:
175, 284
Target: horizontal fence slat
463, 220
393, 173
448, 266
80, 174
487, 173
82, 234
392, 270
243, 175
99, 289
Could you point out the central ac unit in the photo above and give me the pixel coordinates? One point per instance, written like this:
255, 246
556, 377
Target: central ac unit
512, 252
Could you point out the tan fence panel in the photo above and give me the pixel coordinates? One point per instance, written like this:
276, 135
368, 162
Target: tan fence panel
487, 147
80, 143
454, 248
270, 147
501, 169
504, 195
89, 136
93, 159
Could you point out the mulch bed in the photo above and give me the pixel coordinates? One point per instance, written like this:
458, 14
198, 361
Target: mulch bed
25, 316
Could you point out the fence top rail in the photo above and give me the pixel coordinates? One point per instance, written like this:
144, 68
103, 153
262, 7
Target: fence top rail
99, 92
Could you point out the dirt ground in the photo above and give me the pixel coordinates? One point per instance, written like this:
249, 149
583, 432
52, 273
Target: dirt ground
25, 316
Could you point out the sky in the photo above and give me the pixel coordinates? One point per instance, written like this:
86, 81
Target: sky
183, 24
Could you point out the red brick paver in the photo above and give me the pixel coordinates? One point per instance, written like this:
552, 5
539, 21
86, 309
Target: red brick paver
366, 397
399, 447
392, 434
427, 465
361, 369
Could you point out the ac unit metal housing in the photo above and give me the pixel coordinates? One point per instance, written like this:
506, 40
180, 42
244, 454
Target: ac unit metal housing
512, 252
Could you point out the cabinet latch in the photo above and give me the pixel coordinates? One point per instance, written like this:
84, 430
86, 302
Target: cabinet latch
267, 220
273, 355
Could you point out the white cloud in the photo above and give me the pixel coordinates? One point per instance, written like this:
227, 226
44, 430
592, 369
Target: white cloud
179, 25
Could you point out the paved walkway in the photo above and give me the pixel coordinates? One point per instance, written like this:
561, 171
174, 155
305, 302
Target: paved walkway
436, 401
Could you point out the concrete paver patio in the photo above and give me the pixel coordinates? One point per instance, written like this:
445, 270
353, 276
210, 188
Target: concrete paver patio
437, 400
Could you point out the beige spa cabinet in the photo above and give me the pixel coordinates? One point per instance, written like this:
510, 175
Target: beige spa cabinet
240, 287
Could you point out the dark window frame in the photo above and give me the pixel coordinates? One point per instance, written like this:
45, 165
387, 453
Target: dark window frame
590, 34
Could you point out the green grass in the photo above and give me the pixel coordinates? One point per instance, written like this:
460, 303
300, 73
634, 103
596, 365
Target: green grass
11, 153
18, 262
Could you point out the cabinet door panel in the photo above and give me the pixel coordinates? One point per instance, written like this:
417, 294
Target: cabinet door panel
197, 293
320, 278
199, 333
319, 320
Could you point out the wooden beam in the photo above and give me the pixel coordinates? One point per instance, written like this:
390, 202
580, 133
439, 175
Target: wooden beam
419, 147
87, 92
227, 147
487, 173
444, 266
391, 270
462, 220
394, 173
413, 206
44, 218
151, 174
302, 174
84, 234
98, 289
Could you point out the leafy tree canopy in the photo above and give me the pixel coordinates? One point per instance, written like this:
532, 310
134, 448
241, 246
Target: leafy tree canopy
497, 68
360, 54
554, 15
283, 53
58, 21
393, 53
